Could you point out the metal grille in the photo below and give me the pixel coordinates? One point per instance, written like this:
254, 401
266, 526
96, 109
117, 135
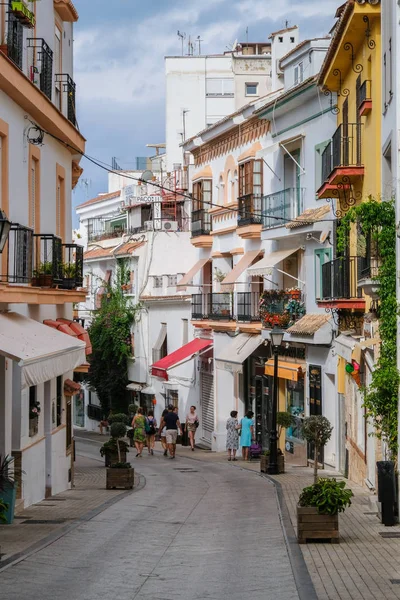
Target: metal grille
69, 93
19, 255
346, 145
281, 207
40, 65
249, 210
247, 306
15, 39
207, 405
339, 278
201, 223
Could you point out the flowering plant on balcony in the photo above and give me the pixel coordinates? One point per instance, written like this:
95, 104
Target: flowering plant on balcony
34, 410
280, 307
25, 16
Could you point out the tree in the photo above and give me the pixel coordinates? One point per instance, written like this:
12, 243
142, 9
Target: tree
317, 430
110, 335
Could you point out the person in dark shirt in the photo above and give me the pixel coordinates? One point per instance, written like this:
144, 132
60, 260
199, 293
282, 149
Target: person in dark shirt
172, 425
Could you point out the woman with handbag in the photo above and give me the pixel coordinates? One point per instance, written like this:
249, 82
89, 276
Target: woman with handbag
192, 423
139, 431
232, 436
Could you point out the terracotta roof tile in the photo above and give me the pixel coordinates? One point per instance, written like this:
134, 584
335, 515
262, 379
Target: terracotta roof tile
309, 324
309, 216
128, 248
100, 198
98, 253
282, 31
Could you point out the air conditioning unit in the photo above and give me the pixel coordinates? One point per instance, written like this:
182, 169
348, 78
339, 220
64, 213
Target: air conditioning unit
148, 225
170, 225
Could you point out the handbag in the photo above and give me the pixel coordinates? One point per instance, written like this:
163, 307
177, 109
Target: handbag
196, 424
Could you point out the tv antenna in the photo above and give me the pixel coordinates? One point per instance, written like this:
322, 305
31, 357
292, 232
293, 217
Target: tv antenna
198, 41
182, 37
190, 46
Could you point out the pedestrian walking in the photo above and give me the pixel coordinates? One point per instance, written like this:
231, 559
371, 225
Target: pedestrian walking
246, 433
139, 431
172, 425
163, 433
151, 426
232, 436
192, 423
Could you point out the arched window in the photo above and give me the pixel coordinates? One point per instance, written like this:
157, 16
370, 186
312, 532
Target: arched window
221, 190
229, 186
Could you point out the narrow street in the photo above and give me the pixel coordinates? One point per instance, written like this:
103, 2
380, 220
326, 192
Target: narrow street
194, 531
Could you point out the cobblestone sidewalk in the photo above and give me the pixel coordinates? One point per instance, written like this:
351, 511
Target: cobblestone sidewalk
34, 524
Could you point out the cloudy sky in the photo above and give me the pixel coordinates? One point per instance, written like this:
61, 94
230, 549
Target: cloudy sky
119, 63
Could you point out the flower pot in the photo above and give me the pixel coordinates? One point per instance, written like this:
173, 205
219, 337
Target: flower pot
295, 294
9, 495
35, 281
265, 462
33, 426
111, 458
67, 283
313, 526
45, 280
120, 478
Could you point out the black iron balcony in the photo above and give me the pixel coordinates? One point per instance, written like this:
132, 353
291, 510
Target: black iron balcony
365, 92
68, 96
19, 250
72, 267
326, 162
48, 260
15, 39
247, 306
215, 306
281, 308
40, 65
346, 146
339, 279
249, 212
281, 207
201, 223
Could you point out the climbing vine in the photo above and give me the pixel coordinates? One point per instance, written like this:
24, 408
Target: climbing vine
110, 335
377, 219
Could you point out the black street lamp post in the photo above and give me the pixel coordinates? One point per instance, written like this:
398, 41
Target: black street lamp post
276, 341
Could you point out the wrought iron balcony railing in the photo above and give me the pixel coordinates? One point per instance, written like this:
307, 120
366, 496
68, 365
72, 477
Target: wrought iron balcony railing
346, 145
72, 267
339, 279
40, 65
247, 306
365, 92
48, 260
19, 250
201, 223
281, 207
281, 307
68, 96
215, 306
326, 162
249, 212
15, 39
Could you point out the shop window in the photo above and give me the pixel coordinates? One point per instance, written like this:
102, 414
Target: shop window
172, 397
295, 406
59, 397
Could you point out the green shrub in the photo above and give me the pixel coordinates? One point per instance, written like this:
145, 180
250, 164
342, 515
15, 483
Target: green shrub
118, 430
327, 495
110, 447
119, 418
3, 509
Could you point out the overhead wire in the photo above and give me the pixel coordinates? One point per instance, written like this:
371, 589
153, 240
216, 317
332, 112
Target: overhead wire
109, 169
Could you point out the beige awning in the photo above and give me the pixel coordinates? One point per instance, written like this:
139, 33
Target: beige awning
265, 265
42, 352
241, 266
237, 351
188, 278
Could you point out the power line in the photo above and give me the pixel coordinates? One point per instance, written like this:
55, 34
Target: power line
109, 169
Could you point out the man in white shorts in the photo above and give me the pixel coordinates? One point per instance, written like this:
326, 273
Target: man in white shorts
172, 426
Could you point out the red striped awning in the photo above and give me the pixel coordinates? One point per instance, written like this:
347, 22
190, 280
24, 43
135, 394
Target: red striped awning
188, 351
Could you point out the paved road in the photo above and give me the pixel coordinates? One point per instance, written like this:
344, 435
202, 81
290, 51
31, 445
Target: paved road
196, 531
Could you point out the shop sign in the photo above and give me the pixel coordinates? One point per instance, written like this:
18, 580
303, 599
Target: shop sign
293, 352
289, 447
228, 366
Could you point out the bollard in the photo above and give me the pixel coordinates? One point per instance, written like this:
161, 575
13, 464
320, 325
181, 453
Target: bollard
387, 491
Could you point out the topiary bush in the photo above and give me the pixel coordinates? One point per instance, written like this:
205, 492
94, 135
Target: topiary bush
318, 430
119, 418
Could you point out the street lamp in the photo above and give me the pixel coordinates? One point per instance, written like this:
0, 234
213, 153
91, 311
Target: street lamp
5, 226
276, 340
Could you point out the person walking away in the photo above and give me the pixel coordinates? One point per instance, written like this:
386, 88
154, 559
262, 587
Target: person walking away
247, 433
163, 434
151, 425
192, 423
139, 433
232, 436
172, 424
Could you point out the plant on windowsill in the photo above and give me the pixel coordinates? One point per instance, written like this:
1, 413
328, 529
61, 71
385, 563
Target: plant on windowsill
45, 274
24, 15
120, 474
283, 421
34, 412
9, 475
69, 276
318, 509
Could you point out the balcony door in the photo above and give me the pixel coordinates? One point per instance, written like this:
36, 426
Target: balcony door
291, 183
345, 134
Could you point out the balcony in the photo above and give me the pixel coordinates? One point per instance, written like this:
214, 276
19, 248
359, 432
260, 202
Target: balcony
201, 223
247, 307
20, 255
249, 212
72, 267
368, 269
48, 260
340, 284
341, 160
281, 307
68, 91
365, 98
40, 65
281, 207
213, 306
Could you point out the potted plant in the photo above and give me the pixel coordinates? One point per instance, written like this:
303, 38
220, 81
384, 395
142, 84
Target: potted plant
25, 16
45, 274
3, 511
35, 278
283, 421
295, 293
34, 412
120, 474
8, 487
318, 509
317, 430
69, 276
115, 449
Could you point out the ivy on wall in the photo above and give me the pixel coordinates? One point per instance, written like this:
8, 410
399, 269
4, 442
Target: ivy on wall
110, 336
378, 219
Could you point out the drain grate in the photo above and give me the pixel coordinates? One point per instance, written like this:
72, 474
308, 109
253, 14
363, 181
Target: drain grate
395, 581
370, 513
390, 534
44, 522
55, 499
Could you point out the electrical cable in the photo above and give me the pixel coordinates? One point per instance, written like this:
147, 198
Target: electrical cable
109, 169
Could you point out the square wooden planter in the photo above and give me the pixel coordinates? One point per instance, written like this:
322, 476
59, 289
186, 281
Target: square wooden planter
265, 461
111, 458
120, 478
313, 526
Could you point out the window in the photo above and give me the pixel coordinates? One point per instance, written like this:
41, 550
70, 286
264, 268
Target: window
59, 398
158, 281
1, 171
388, 75
68, 436
60, 202
57, 66
280, 39
202, 194
292, 40
299, 73
34, 411
322, 256
172, 280
295, 406
172, 397
34, 191
251, 89
250, 178
185, 331
160, 348
219, 87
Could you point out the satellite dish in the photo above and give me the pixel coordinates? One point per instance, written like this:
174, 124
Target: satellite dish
324, 235
147, 175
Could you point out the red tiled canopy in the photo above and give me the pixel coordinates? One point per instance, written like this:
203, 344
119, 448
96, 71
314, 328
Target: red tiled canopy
188, 351
71, 328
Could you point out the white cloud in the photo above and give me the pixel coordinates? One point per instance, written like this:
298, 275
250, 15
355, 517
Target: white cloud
287, 9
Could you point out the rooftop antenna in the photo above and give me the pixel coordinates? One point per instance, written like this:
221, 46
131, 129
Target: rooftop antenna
286, 24
182, 36
190, 47
199, 40
247, 37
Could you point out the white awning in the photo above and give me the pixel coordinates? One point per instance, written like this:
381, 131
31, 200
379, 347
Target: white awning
235, 353
134, 387
266, 264
344, 346
42, 353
